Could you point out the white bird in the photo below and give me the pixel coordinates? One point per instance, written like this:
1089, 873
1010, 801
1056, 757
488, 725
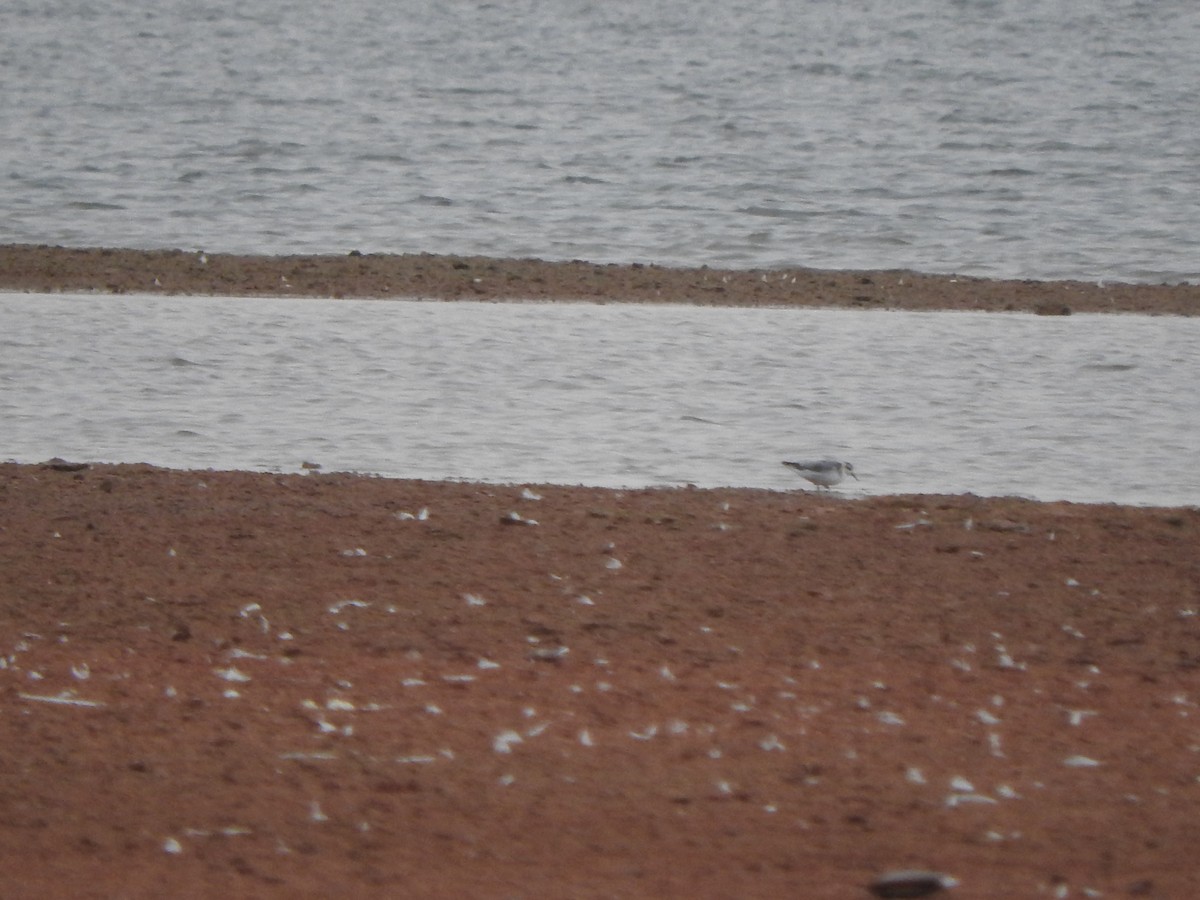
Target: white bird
823, 472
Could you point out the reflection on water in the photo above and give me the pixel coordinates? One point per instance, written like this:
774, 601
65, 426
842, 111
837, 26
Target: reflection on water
1090, 408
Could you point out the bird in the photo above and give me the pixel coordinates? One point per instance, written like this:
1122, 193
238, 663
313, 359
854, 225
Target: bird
824, 473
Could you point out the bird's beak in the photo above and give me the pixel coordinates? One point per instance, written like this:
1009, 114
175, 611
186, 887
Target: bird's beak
852, 475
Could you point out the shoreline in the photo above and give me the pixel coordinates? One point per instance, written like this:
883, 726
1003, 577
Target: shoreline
801, 488
45, 269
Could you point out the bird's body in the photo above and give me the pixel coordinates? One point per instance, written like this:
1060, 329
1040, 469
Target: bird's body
823, 472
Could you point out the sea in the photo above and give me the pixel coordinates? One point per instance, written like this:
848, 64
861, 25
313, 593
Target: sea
998, 138
994, 138
1089, 408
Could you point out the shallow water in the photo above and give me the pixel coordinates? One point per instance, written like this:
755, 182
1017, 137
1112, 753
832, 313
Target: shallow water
1087, 407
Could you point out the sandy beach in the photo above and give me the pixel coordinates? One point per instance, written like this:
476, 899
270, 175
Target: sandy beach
252, 684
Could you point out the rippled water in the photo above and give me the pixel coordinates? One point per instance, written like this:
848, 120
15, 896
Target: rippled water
1013, 138
1090, 408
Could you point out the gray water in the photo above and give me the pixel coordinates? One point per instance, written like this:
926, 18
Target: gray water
990, 137
1087, 408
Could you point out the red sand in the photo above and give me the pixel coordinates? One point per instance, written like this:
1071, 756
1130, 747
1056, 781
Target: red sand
235, 684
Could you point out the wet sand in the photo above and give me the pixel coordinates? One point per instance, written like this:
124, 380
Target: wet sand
51, 269
247, 684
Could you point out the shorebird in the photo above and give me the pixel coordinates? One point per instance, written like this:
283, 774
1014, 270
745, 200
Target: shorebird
823, 472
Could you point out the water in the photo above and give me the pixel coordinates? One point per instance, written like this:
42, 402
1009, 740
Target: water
1005, 138
1087, 408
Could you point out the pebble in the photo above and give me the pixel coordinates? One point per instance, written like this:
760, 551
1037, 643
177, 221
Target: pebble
911, 883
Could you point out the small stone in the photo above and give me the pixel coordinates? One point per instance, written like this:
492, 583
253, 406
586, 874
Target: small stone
548, 654
58, 464
515, 518
911, 883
